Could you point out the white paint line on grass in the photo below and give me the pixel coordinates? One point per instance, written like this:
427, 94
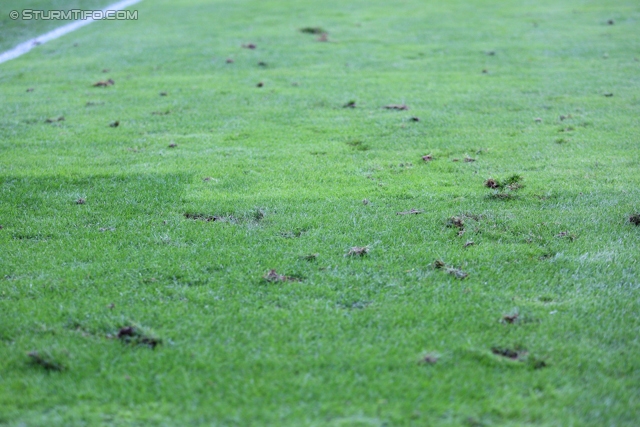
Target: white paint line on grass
25, 47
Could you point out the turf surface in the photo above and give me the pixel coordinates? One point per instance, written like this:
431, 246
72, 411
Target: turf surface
135, 284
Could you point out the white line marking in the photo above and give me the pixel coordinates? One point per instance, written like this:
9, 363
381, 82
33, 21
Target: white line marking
25, 47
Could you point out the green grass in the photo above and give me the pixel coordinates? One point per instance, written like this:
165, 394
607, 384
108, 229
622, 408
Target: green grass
287, 169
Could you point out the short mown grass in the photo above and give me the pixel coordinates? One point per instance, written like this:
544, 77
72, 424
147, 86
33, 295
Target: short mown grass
230, 254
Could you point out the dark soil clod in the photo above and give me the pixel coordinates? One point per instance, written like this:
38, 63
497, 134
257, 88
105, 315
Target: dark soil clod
399, 107
30, 89
508, 353
59, 119
273, 276
611, 22
457, 273
455, 221
429, 359
634, 219
427, 158
262, 64
163, 93
114, 124
45, 361
414, 119
131, 335
312, 30
350, 104
358, 251
229, 61
510, 318
249, 46
81, 201
469, 160
608, 94
104, 83
260, 84
438, 264
491, 183
409, 212
173, 145
203, 217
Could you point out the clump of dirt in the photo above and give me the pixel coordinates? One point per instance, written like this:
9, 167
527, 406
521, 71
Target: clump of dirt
249, 46
46, 361
427, 158
350, 104
537, 120
455, 221
409, 212
114, 124
262, 64
59, 119
163, 93
514, 354
358, 251
203, 217
429, 359
173, 145
469, 160
611, 22
310, 257
567, 235
312, 30
565, 117
273, 276
30, 89
634, 219
456, 272
132, 335
485, 71
414, 119
510, 318
365, 201
396, 107
608, 94
504, 188
104, 83
81, 201
260, 84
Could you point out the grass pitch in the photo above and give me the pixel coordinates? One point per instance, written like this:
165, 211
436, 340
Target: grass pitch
233, 236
